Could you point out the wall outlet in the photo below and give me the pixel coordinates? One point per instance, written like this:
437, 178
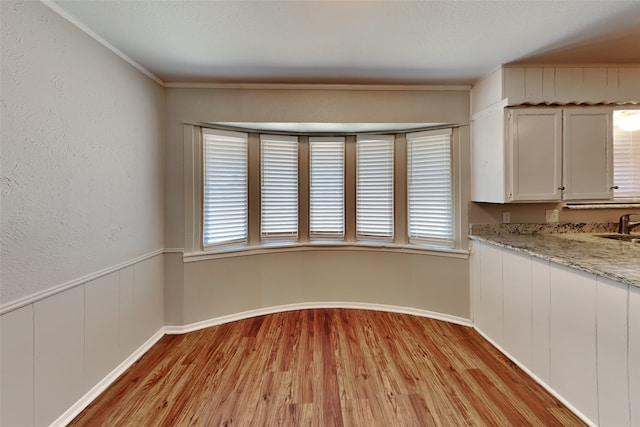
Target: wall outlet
506, 217
552, 215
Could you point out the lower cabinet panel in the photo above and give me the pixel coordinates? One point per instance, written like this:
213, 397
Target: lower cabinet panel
573, 339
576, 332
517, 306
613, 373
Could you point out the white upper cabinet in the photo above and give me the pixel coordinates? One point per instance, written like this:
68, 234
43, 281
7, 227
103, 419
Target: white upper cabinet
535, 152
542, 154
534, 145
588, 154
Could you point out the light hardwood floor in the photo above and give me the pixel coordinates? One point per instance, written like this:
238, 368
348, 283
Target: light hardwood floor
326, 367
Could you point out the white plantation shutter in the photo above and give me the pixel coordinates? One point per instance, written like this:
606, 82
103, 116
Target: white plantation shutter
224, 187
626, 163
429, 192
279, 189
326, 192
374, 187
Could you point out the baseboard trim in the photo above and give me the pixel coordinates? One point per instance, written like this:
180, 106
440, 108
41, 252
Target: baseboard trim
538, 380
92, 394
313, 305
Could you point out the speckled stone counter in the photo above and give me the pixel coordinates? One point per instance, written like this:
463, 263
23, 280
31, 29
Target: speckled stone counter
576, 245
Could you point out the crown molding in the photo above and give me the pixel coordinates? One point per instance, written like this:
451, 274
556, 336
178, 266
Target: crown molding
317, 86
51, 4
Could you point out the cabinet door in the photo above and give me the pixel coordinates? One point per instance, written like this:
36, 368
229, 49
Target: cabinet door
588, 154
535, 153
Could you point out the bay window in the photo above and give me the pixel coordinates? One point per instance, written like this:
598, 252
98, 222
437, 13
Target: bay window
265, 189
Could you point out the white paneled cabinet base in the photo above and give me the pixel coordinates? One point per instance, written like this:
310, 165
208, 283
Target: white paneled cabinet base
575, 333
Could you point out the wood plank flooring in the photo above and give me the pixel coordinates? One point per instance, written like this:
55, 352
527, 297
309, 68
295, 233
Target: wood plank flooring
326, 367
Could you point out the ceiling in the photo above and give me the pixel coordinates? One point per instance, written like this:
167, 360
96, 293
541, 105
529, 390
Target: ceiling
356, 42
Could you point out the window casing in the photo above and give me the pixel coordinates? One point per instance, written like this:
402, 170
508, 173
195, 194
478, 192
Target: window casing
225, 207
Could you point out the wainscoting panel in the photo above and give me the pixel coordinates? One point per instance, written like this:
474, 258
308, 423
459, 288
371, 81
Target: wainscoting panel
148, 297
16, 367
59, 354
102, 326
60, 351
127, 314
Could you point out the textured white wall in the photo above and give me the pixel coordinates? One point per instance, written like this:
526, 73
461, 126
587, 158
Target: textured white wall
82, 152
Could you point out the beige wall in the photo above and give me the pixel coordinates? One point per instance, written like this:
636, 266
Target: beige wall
208, 289
226, 286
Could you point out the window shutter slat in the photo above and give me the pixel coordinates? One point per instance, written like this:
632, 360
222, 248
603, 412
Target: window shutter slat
374, 187
224, 187
326, 188
279, 188
429, 192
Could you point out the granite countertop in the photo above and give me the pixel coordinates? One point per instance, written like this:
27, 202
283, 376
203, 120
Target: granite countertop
577, 247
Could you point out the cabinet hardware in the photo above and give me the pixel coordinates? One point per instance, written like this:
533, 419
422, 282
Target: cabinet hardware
615, 187
561, 188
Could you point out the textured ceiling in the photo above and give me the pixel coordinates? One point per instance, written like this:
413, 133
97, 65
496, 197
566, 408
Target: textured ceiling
382, 42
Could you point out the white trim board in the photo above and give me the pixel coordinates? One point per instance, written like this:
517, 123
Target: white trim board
38, 296
315, 305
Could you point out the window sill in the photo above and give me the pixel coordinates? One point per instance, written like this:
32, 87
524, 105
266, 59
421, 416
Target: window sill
230, 252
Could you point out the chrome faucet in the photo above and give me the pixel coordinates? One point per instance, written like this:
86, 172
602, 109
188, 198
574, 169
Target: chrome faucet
625, 226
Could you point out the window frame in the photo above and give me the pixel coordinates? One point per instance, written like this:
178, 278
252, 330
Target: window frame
230, 135
265, 140
425, 239
365, 141
326, 235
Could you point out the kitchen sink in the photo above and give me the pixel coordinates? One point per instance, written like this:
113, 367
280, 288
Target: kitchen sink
633, 238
